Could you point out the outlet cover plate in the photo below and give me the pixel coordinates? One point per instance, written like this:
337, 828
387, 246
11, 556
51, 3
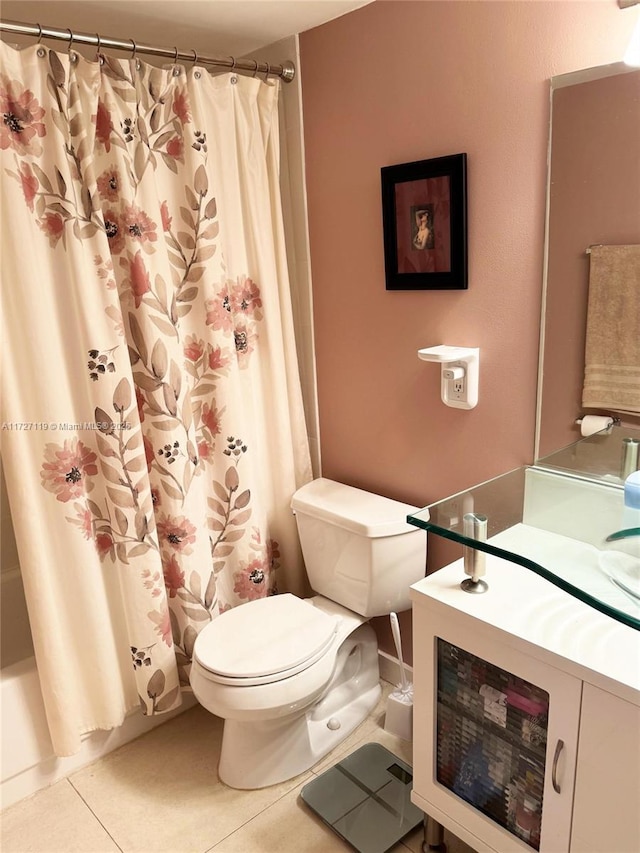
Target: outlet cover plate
462, 393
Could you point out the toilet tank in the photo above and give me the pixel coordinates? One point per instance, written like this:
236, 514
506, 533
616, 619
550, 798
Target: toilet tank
358, 549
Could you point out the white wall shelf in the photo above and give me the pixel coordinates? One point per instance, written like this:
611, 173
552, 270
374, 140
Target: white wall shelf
460, 368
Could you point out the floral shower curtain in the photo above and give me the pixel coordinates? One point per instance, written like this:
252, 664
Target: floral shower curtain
153, 430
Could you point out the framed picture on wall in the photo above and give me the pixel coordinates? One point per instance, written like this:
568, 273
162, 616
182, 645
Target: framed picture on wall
424, 219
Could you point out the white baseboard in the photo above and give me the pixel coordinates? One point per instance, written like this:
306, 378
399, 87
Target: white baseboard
28, 770
390, 668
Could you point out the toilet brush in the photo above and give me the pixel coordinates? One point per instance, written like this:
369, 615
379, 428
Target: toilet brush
399, 717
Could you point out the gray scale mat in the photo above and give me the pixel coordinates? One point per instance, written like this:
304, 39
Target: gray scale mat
366, 799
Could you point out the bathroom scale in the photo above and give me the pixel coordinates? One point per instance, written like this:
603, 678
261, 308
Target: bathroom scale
366, 799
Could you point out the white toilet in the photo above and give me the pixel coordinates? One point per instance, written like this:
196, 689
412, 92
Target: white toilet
293, 677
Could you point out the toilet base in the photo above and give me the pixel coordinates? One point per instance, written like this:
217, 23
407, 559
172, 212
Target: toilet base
255, 755
258, 753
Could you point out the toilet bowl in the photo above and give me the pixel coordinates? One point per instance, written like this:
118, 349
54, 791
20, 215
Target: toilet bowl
293, 677
295, 700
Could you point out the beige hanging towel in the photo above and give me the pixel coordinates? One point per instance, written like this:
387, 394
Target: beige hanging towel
612, 349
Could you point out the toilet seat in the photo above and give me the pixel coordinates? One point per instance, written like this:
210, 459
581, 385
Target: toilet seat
264, 641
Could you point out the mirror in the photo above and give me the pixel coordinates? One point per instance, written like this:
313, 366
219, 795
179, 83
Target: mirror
593, 198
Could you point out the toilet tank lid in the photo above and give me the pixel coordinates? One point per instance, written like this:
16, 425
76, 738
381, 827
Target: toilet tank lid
353, 509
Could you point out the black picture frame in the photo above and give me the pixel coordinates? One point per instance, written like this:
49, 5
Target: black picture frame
424, 220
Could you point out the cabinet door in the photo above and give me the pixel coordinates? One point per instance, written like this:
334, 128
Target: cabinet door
495, 735
606, 810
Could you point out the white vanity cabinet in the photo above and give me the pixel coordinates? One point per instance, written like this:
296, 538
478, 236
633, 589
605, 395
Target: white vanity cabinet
606, 812
526, 715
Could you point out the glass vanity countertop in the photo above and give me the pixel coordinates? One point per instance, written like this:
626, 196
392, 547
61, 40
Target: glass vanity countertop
556, 525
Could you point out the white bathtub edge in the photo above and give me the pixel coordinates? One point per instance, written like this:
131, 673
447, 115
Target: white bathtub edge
28, 763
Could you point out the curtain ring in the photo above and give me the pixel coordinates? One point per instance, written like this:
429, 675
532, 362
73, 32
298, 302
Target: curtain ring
70, 40
195, 58
99, 42
135, 48
39, 33
233, 62
255, 70
267, 72
175, 55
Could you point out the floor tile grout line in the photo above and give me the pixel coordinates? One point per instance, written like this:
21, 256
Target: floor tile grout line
94, 814
371, 730
313, 773
261, 812
267, 807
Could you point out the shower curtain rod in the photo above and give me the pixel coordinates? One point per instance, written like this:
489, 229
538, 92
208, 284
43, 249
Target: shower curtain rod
286, 71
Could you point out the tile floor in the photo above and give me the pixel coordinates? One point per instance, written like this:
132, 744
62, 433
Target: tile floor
161, 794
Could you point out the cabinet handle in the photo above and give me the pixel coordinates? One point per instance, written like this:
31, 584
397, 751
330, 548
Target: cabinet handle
554, 769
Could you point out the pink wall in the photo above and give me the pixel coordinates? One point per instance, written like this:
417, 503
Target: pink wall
400, 81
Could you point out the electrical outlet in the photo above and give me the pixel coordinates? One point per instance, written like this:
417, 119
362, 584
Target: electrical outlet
459, 381
457, 389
